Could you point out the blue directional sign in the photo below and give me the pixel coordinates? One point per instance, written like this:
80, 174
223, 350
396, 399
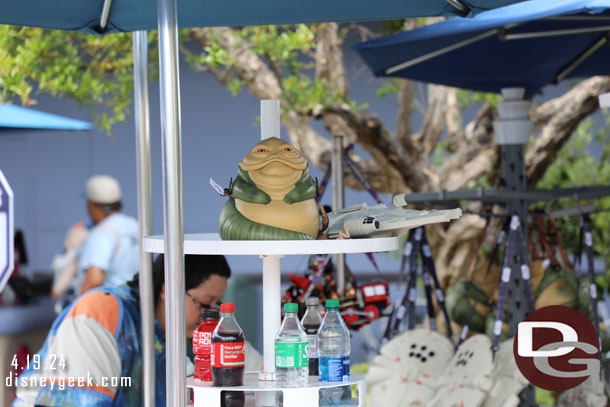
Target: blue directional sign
7, 251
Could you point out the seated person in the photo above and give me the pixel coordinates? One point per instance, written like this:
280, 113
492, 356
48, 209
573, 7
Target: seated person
98, 337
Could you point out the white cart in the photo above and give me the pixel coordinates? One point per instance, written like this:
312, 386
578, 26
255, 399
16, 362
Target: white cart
271, 252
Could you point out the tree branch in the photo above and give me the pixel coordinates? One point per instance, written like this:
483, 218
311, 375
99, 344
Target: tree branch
453, 118
474, 156
368, 130
404, 125
259, 78
559, 118
276, 69
454, 246
262, 82
329, 59
434, 122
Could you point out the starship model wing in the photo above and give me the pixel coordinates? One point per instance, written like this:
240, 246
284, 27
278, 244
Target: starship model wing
379, 221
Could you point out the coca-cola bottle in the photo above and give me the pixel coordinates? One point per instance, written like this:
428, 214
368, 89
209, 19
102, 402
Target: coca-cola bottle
228, 357
202, 344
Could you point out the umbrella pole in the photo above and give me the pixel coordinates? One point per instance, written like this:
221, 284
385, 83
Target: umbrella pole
512, 133
142, 127
173, 220
338, 203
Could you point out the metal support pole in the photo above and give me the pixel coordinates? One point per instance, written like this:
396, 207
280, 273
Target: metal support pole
272, 315
270, 118
338, 203
142, 122
513, 170
512, 131
173, 221
272, 292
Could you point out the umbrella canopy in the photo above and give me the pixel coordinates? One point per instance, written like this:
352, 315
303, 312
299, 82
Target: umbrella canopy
16, 117
134, 15
529, 45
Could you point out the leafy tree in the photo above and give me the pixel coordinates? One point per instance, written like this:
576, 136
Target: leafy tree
91, 70
576, 166
303, 65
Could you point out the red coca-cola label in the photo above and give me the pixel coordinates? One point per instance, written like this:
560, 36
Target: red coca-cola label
229, 354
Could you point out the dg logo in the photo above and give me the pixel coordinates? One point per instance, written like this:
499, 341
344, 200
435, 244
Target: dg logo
557, 348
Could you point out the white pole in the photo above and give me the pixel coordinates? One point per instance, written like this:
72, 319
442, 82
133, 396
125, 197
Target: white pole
604, 100
272, 300
173, 221
142, 122
270, 118
272, 296
338, 203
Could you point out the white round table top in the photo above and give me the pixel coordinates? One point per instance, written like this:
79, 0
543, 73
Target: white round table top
211, 243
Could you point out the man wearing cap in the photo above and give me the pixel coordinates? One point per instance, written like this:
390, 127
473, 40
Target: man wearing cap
110, 253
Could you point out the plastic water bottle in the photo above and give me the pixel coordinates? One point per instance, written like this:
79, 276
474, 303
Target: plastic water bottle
333, 353
333, 345
291, 350
311, 324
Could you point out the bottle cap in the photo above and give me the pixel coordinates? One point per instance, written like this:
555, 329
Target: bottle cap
332, 303
227, 307
210, 314
291, 307
313, 301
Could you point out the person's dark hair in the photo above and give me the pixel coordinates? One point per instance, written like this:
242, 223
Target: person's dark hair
197, 269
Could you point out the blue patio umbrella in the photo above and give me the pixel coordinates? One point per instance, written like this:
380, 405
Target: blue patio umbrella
105, 16
134, 15
20, 118
529, 45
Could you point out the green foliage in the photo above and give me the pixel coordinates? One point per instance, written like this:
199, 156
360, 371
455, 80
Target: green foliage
213, 56
235, 85
544, 397
89, 69
439, 155
393, 26
390, 87
289, 51
575, 166
281, 43
398, 25
468, 98
480, 182
98, 70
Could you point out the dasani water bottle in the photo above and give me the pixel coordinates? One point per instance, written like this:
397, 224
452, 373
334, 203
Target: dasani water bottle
333, 354
333, 345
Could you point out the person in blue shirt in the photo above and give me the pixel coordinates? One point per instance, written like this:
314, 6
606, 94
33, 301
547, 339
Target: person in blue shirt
93, 353
109, 256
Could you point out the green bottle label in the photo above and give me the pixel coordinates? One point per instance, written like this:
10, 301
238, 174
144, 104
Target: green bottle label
293, 354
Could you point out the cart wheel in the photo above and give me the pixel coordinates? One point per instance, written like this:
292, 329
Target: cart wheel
372, 312
350, 316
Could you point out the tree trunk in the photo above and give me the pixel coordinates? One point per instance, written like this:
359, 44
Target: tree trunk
401, 161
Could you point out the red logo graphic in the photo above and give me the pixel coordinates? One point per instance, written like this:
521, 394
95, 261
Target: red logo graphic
229, 354
557, 348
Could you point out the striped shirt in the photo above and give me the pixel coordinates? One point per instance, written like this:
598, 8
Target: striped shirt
93, 355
